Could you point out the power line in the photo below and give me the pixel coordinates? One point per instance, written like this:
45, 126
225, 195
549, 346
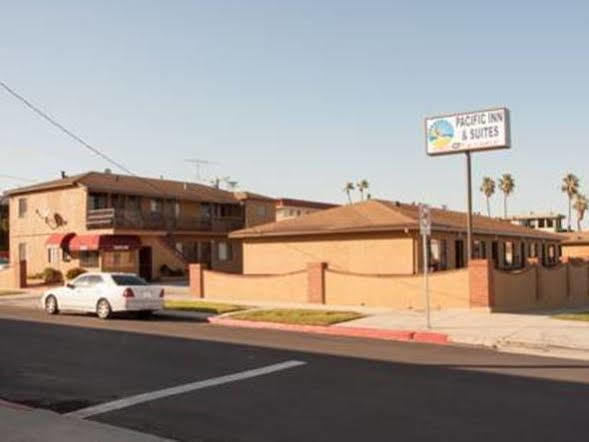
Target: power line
72, 135
16, 178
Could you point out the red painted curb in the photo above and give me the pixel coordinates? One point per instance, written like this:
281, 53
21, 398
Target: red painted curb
431, 337
334, 330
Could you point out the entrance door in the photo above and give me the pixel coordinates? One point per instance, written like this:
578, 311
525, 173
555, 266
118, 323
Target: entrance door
495, 253
145, 263
459, 250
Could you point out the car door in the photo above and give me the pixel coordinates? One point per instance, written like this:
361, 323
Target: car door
89, 293
71, 299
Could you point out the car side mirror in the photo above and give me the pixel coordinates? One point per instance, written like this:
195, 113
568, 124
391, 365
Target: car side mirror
69, 285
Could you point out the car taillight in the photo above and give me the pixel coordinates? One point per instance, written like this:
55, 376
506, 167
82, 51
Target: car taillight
128, 293
161, 293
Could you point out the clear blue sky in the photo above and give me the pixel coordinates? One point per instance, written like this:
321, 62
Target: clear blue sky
296, 98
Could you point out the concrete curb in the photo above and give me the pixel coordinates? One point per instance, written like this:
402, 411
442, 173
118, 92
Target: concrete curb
14, 406
334, 330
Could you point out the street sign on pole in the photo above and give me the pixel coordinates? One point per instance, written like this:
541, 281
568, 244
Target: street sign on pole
468, 132
425, 227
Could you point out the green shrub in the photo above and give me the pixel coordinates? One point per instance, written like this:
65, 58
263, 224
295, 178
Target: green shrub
51, 275
75, 272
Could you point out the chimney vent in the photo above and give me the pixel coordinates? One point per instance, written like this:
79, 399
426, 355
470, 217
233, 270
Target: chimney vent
63, 174
107, 171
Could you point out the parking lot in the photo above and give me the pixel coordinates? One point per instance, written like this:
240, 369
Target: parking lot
204, 382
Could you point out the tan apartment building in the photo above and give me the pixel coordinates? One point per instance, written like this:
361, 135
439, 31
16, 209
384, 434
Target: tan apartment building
575, 244
111, 222
287, 208
382, 238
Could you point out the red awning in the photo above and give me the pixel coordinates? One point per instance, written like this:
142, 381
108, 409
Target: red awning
59, 240
104, 242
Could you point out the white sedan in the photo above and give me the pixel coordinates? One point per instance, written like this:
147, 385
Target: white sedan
105, 293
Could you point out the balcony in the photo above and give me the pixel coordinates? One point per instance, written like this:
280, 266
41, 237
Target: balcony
134, 219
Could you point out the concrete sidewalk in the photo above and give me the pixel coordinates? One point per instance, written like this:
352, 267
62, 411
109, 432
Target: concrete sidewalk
19, 424
536, 333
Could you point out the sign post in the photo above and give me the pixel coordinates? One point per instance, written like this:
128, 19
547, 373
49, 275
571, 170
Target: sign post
465, 133
425, 227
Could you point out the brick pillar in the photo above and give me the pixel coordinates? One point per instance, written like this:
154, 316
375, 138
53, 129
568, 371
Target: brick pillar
196, 279
482, 288
20, 275
566, 261
316, 282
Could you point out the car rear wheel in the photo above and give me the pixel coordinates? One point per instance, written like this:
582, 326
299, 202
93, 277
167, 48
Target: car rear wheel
103, 309
51, 305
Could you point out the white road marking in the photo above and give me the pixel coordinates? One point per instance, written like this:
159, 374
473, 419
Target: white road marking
147, 397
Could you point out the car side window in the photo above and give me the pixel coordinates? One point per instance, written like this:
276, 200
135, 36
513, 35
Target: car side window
82, 281
94, 280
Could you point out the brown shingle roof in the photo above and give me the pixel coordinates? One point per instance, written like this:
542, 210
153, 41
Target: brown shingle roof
378, 216
132, 185
245, 195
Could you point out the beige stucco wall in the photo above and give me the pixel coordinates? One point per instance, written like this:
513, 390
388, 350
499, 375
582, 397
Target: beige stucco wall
286, 288
540, 287
252, 218
515, 290
580, 250
34, 230
361, 254
7, 278
448, 289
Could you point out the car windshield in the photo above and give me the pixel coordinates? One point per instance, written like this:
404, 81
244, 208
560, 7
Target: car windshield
128, 280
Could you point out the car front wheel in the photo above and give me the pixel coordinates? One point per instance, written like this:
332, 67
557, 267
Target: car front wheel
103, 309
51, 305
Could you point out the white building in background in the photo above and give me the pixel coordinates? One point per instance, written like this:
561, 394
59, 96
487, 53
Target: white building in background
547, 222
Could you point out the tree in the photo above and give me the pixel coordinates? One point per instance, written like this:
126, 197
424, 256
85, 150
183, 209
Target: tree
488, 188
349, 187
362, 186
580, 206
507, 186
570, 186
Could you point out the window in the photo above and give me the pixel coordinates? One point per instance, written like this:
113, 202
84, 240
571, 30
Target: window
177, 209
533, 250
53, 255
133, 202
437, 254
479, 249
508, 252
261, 211
206, 211
156, 205
97, 201
89, 258
118, 201
225, 251
22, 251
94, 280
22, 207
179, 247
541, 223
128, 280
549, 223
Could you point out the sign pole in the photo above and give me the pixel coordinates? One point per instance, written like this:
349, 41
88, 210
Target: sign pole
425, 279
469, 206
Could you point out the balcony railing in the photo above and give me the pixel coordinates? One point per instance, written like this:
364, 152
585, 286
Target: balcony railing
134, 219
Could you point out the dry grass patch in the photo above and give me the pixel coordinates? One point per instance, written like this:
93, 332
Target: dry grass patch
297, 316
202, 307
581, 316
7, 292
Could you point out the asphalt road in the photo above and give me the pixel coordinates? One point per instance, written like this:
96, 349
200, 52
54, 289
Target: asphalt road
348, 390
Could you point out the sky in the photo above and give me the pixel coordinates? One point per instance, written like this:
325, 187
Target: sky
294, 99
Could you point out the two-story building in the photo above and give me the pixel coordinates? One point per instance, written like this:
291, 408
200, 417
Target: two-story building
547, 222
110, 222
287, 208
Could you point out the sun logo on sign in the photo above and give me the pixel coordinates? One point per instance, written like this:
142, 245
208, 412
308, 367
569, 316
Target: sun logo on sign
440, 133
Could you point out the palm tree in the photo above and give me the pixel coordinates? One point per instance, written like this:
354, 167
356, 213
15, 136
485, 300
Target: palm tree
488, 188
570, 186
362, 186
507, 186
349, 187
580, 206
